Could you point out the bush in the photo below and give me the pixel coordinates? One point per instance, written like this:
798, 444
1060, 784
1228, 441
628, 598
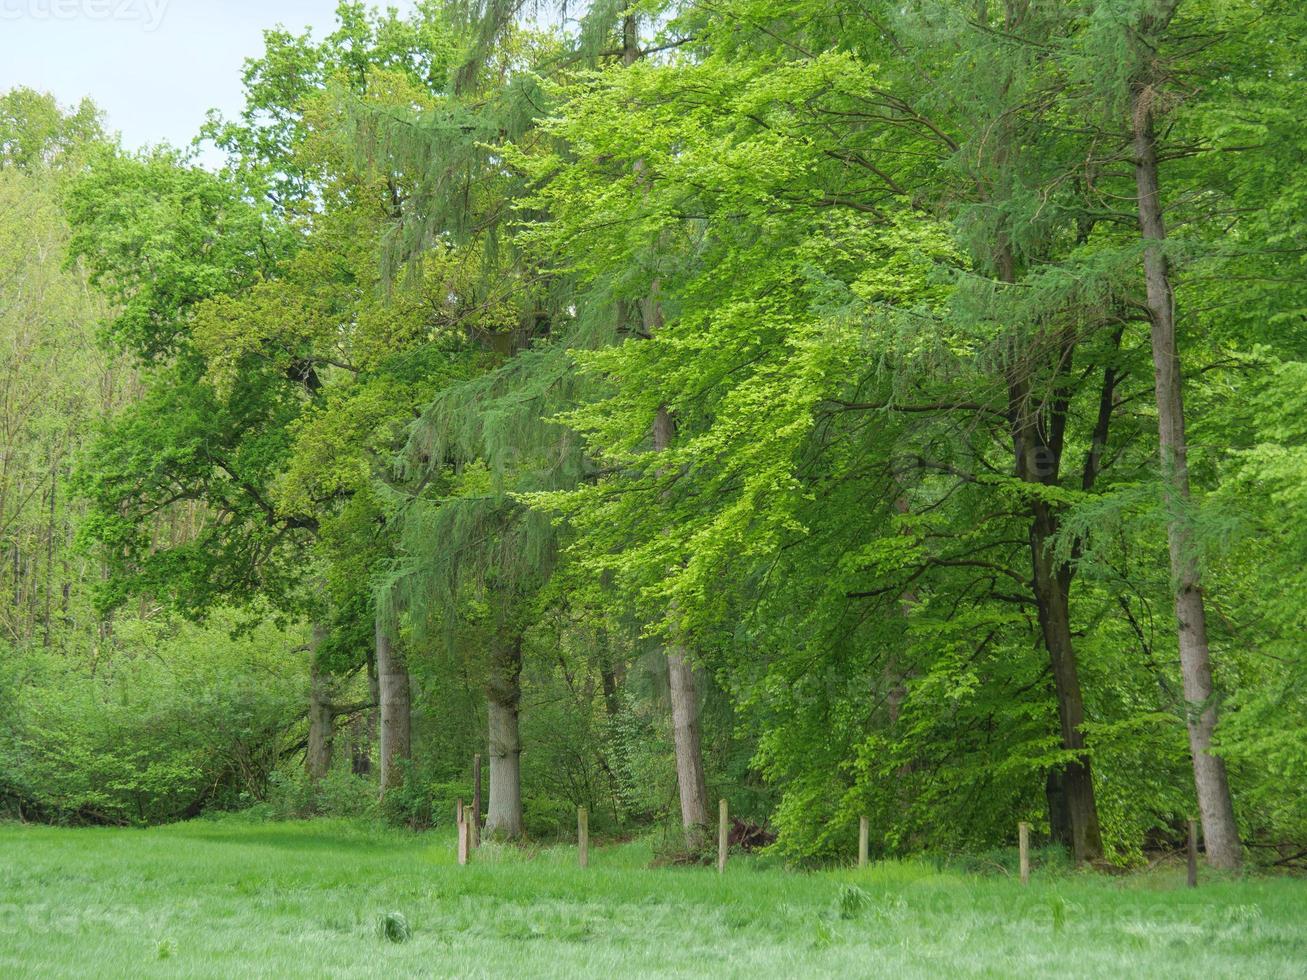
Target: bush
410, 804
444, 797
175, 720
341, 793
1048, 859
548, 818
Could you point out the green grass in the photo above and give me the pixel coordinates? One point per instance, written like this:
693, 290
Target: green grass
229, 898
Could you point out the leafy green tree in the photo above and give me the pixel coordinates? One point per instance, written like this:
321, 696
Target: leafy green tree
57, 382
163, 238
206, 271
37, 135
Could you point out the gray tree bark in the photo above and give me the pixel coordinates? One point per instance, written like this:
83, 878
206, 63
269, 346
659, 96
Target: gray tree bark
396, 726
503, 697
685, 736
684, 696
1220, 831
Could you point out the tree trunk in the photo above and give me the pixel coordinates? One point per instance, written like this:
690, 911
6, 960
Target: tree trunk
360, 746
322, 717
393, 689
503, 696
373, 723
685, 736
1052, 586
608, 667
896, 671
1059, 812
630, 42
684, 697
1037, 446
1220, 832
49, 548
608, 678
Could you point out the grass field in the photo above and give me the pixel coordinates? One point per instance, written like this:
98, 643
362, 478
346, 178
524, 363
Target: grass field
234, 899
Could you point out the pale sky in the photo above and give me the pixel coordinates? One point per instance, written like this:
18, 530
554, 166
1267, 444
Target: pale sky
154, 66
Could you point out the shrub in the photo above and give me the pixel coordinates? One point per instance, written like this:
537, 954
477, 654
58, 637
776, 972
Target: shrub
547, 817
410, 803
341, 793
174, 720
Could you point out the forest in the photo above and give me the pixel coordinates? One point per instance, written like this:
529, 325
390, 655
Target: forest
885, 409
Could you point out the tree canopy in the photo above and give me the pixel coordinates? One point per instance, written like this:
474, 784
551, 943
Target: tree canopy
859, 410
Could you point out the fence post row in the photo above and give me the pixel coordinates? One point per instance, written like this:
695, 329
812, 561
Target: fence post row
469, 837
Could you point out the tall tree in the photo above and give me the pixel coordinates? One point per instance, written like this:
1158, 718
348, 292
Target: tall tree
1146, 40
682, 688
288, 145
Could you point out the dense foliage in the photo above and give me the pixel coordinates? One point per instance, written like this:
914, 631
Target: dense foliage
880, 409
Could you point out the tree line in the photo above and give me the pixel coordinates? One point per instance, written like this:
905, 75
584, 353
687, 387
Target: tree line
870, 408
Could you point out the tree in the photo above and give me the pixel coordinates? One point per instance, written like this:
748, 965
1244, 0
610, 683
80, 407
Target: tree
1036, 362
1220, 832
471, 559
1183, 128
56, 382
38, 136
303, 146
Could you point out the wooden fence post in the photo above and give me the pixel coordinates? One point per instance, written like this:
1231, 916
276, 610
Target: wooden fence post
864, 832
583, 836
464, 839
722, 836
458, 811
1193, 853
1023, 842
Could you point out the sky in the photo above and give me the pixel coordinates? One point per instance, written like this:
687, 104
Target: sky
154, 66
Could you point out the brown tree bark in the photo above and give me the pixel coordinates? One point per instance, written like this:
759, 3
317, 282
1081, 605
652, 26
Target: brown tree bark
1037, 445
610, 669
360, 746
1220, 831
503, 698
608, 680
396, 727
897, 671
1051, 584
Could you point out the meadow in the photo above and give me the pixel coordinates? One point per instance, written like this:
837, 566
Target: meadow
227, 898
